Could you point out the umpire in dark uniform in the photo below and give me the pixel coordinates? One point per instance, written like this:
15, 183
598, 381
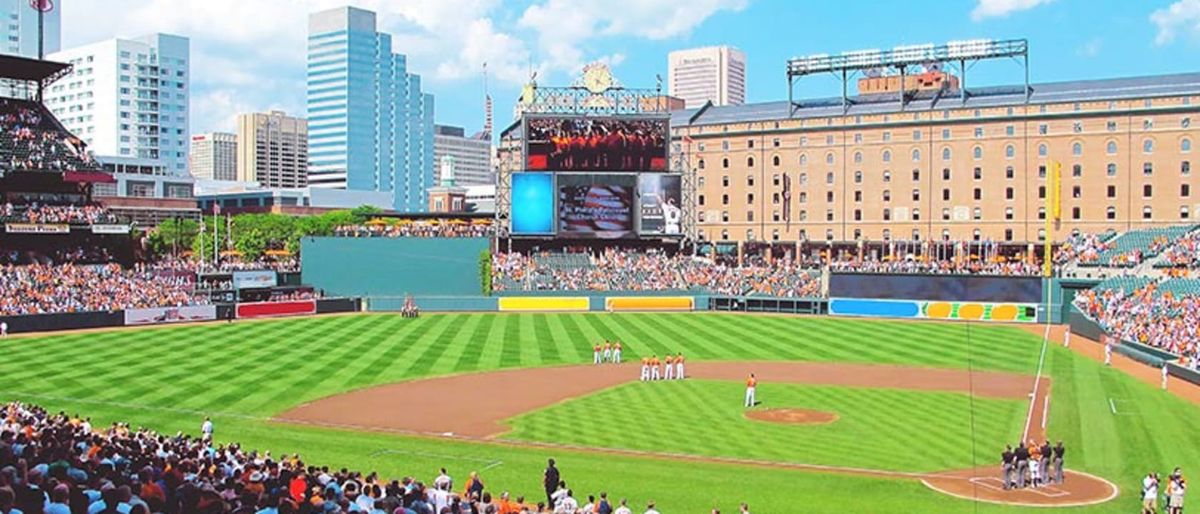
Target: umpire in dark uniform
550, 480
1047, 461
1022, 455
1007, 459
1059, 451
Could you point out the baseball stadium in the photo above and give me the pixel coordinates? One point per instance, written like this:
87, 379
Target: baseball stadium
609, 340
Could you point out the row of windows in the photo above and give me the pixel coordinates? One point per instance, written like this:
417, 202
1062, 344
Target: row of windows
1110, 213
977, 234
1185, 191
1185, 169
1009, 130
1010, 151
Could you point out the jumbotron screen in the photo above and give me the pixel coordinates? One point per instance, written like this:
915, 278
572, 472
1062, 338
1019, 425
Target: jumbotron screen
595, 144
659, 197
596, 206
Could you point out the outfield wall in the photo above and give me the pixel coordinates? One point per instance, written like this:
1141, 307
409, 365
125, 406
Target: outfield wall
577, 302
392, 266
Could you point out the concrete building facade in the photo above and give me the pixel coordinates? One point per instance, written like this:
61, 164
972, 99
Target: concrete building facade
370, 125
273, 149
19, 29
472, 155
213, 156
714, 74
128, 98
942, 169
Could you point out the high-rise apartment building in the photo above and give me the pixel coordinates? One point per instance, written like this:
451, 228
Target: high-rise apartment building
19, 28
715, 73
273, 149
213, 156
128, 98
472, 155
370, 126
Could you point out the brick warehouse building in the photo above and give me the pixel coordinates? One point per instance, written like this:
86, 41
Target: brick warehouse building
939, 168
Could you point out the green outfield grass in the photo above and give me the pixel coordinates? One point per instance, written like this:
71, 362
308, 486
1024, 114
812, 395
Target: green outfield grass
887, 429
242, 373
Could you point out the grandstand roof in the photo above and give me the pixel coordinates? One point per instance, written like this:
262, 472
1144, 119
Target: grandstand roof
996, 96
23, 68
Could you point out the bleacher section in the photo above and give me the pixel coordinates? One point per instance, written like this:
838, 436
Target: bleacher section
1138, 246
1126, 284
31, 140
1179, 287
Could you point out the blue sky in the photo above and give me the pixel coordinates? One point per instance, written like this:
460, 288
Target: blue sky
242, 62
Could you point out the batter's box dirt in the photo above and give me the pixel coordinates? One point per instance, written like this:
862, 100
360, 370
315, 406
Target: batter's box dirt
984, 484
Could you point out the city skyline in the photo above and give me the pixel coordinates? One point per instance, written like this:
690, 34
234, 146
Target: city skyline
242, 66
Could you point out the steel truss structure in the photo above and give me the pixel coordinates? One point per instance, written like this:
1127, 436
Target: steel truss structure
961, 54
578, 101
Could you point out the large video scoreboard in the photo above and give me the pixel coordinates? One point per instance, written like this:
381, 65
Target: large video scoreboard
596, 177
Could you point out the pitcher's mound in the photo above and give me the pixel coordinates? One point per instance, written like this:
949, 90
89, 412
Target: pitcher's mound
793, 416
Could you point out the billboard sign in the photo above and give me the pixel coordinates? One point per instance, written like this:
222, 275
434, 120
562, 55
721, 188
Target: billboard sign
110, 229
158, 315
596, 206
596, 144
659, 204
34, 228
253, 279
532, 203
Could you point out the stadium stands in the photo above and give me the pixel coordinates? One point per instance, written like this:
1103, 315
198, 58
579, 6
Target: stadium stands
1159, 314
31, 140
624, 270
42, 289
421, 228
63, 464
1137, 246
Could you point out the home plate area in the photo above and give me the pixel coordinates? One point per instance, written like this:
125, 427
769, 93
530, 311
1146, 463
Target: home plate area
985, 484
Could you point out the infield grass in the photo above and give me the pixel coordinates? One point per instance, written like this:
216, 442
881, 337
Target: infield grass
242, 373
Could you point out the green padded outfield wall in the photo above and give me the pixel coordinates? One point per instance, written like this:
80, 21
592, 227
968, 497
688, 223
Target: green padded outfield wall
392, 266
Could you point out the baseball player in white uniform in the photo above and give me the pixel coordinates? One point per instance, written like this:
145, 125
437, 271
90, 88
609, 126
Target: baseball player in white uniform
1067, 338
679, 367
3, 329
596, 355
607, 351
668, 368
645, 369
1108, 353
751, 385
617, 352
1165, 374
655, 373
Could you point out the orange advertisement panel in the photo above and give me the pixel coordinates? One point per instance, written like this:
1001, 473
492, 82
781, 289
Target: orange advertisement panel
649, 303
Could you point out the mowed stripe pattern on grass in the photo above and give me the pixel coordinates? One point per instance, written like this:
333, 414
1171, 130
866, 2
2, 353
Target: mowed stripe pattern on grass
884, 429
262, 368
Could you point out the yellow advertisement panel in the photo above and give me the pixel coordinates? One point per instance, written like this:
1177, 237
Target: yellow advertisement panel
543, 303
649, 303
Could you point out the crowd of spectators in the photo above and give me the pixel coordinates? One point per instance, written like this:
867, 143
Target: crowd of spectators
444, 228
41, 288
56, 463
938, 267
624, 270
1082, 248
1148, 316
29, 142
228, 265
36, 213
1183, 252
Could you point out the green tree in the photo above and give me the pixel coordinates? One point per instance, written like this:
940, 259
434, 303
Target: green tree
363, 213
172, 235
485, 272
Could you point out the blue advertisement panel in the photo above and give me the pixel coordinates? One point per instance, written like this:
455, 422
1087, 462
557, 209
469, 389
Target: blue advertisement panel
532, 203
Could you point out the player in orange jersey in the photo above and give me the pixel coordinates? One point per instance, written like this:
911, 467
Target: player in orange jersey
655, 373
668, 367
645, 369
751, 385
596, 353
617, 352
679, 366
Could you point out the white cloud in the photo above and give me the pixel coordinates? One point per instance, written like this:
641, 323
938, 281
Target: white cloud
1090, 48
565, 26
249, 55
1000, 8
1182, 16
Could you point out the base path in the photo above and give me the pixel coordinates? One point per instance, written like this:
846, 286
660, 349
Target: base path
431, 407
